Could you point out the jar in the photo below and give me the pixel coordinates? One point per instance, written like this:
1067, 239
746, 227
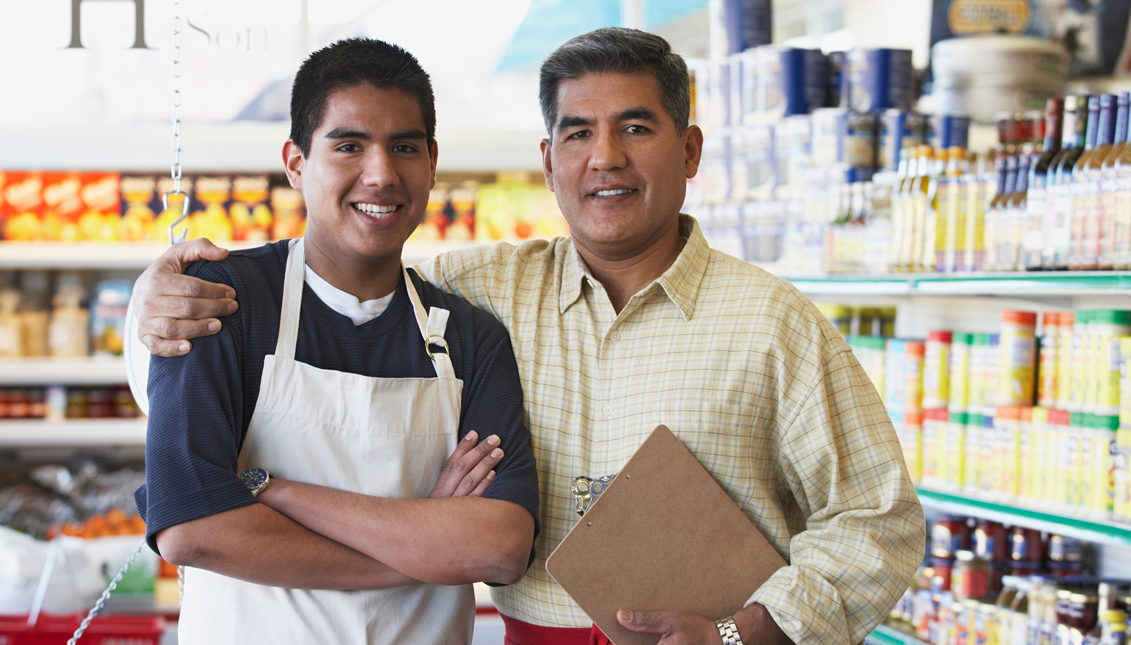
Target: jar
971, 576
1083, 611
36, 408
5, 404
991, 541
18, 404
949, 535
1065, 549
77, 403
1025, 545
944, 572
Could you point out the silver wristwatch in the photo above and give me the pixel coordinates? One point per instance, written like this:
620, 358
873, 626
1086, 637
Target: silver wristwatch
728, 631
256, 479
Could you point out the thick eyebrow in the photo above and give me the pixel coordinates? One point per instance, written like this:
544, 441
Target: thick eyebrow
348, 133
632, 114
637, 114
573, 121
414, 134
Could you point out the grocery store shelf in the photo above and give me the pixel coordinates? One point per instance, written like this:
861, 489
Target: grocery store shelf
97, 370
1088, 530
1037, 283
886, 635
72, 432
138, 255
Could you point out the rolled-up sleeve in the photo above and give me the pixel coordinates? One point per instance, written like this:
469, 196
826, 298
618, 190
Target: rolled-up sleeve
865, 533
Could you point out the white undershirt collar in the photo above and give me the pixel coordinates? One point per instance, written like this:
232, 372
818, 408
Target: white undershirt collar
344, 303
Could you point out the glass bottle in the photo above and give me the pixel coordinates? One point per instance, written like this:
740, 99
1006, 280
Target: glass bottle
919, 189
1077, 210
989, 218
1109, 186
976, 184
1060, 184
1122, 220
907, 209
897, 221
1091, 203
952, 209
934, 219
1009, 257
1037, 207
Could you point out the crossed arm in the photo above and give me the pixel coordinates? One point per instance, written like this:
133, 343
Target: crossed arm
305, 536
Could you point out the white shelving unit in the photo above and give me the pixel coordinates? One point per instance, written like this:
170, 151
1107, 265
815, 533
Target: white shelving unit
37, 433
109, 370
137, 256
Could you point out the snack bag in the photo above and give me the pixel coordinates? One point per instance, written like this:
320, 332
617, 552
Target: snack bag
102, 214
463, 198
137, 195
290, 213
22, 207
250, 214
212, 197
62, 206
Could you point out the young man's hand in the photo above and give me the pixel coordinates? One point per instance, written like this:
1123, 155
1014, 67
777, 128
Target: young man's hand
172, 307
469, 471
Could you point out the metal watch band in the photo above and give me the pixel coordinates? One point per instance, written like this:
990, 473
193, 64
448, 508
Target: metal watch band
728, 631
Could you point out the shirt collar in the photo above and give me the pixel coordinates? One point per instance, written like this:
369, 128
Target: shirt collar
680, 282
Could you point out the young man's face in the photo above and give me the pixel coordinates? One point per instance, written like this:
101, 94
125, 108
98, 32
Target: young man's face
616, 162
367, 175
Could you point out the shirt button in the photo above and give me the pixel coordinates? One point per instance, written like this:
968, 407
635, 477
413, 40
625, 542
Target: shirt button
616, 335
609, 411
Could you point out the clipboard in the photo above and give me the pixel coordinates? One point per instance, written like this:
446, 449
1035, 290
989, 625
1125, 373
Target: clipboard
662, 535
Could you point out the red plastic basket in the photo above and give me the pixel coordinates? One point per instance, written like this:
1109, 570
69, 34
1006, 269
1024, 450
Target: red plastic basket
103, 630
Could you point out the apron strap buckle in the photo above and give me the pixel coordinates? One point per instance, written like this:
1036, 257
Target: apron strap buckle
439, 342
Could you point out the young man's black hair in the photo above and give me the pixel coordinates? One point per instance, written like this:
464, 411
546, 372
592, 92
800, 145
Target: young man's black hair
349, 63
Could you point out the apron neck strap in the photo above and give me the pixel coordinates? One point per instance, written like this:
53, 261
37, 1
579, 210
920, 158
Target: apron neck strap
432, 324
293, 280
432, 327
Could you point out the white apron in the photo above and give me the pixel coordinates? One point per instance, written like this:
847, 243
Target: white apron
379, 436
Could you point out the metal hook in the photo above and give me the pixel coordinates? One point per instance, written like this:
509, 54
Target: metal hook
173, 237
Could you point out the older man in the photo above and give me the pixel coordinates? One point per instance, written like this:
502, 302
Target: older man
633, 321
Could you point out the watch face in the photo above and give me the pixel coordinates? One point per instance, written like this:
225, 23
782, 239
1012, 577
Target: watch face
253, 477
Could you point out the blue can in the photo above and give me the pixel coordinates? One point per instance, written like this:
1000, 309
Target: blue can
837, 93
949, 131
893, 127
746, 24
804, 80
880, 79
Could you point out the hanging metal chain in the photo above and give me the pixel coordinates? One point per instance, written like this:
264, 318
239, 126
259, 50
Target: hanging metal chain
105, 595
176, 169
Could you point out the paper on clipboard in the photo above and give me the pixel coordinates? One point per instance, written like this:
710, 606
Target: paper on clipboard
662, 536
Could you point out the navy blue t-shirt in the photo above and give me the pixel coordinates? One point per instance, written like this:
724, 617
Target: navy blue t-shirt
201, 403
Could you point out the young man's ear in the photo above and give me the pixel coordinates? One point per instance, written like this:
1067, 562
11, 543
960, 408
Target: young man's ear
434, 151
293, 161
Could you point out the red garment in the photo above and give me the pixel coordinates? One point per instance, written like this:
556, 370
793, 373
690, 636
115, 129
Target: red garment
523, 633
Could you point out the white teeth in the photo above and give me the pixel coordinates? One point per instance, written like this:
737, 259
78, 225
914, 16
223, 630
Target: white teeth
610, 193
373, 209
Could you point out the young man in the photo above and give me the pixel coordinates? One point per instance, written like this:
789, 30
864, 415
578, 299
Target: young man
633, 321
344, 382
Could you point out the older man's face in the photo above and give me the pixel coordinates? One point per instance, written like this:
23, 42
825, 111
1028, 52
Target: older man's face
617, 164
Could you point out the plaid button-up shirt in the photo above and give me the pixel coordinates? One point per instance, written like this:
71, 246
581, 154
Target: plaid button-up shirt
753, 380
